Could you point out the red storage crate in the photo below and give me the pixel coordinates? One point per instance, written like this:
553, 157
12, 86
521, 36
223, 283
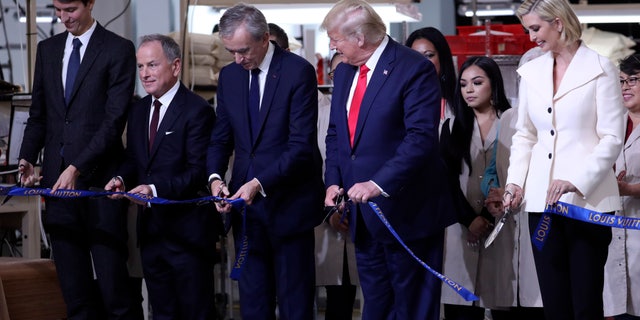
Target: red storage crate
515, 29
491, 45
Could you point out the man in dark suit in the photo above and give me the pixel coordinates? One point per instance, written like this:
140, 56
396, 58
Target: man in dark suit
385, 149
277, 166
167, 136
78, 111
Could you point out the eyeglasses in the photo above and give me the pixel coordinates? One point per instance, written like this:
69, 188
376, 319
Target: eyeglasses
631, 81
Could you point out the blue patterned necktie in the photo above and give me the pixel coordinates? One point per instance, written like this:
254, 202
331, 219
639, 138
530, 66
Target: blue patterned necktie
254, 102
72, 69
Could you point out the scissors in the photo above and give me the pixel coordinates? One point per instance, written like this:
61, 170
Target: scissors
494, 233
18, 184
340, 200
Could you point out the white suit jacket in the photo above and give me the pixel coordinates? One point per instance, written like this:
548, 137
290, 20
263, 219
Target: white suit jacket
574, 135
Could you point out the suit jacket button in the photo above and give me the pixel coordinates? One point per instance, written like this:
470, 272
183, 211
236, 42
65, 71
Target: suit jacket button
549, 110
549, 155
353, 157
552, 132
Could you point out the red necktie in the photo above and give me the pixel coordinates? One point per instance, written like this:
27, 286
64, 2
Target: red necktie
153, 126
361, 87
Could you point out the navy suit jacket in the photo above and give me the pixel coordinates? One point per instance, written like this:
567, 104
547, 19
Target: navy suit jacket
284, 156
176, 167
395, 145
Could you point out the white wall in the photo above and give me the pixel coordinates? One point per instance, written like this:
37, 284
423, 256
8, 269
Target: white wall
141, 17
162, 16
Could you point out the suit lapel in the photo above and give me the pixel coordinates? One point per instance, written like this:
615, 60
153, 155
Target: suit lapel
143, 131
241, 88
380, 75
540, 88
170, 116
635, 134
56, 65
94, 48
340, 97
270, 86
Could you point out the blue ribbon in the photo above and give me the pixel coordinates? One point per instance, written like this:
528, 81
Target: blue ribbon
581, 214
542, 231
462, 291
69, 194
242, 255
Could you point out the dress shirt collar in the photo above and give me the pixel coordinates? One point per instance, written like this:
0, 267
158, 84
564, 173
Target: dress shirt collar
168, 96
373, 60
84, 38
266, 62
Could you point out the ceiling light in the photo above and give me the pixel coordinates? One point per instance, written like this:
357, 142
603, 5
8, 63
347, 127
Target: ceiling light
488, 10
44, 16
314, 13
608, 13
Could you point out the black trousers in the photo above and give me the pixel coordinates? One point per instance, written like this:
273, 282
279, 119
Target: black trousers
570, 268
340, 298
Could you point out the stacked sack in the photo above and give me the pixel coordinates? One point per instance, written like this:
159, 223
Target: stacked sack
207, 56
612, 45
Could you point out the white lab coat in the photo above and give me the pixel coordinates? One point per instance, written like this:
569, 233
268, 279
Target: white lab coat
330, 245
508, 264
461, 262
622, 270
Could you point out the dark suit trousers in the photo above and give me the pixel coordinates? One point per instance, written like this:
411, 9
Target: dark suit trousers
277, 268
394, 285
571, 268
83, 231
180, 281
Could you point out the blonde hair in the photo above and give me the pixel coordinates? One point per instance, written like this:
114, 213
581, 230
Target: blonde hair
549, 10
353, 17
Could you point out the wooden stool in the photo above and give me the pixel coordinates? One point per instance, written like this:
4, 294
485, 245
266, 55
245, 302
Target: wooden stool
29, 289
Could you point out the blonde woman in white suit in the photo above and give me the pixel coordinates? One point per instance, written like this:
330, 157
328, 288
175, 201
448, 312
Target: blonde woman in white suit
569, 133
516, 293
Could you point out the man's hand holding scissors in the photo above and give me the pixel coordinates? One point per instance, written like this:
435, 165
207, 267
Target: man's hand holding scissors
219, 189
335, 203
26, 174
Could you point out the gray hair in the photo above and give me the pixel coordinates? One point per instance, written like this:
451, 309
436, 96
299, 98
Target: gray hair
170, 47
355, 17
252, 18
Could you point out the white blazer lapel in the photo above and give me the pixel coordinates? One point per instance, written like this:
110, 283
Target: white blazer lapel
537, 86
583, 68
